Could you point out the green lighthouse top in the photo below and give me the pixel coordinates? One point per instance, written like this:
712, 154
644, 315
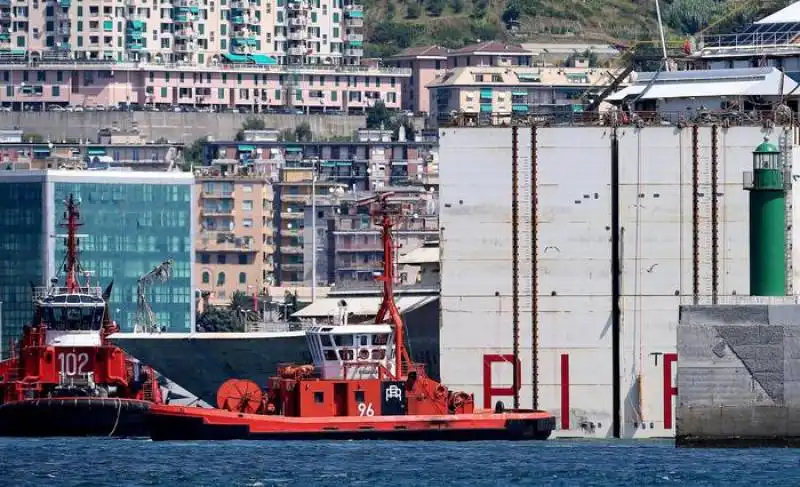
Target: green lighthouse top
766, 147
766, 157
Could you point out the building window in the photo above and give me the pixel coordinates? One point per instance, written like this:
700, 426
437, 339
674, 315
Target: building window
206, 277
247, 188
247, 205
221, 279
247, 222
319, 397
242, 278
220, 258
56, 91
242, 259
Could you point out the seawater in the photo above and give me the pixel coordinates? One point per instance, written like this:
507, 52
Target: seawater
113, 462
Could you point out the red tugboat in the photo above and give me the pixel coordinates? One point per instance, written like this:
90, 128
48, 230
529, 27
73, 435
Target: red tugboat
362, 386
65, 378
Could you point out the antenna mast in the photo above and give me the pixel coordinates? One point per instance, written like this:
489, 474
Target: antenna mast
72, 245
386, 215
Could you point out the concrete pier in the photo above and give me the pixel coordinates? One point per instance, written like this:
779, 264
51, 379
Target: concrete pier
738, 375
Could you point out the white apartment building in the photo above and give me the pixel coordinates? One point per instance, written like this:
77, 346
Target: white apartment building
184, 31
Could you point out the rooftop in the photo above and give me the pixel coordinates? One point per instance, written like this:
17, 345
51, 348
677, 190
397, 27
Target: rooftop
787, 14
520, 76
489, 48
6, 64
707, 83
423, 51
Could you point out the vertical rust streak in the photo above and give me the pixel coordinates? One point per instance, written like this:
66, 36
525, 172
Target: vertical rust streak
695, 216
535, 265
714, 219
515, 255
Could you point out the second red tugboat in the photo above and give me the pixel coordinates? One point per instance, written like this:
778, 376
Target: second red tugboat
362, 386
65, 378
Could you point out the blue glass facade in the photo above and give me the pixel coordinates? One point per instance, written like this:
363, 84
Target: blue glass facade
21, 254
131, 227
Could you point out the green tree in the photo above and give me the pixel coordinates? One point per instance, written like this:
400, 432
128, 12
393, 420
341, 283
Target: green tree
690, 16
434, 7
378, 114
413, 11
251, 123
287, 135
302, 133
194, 153
457, 6
240, 300
32, 137
218, 320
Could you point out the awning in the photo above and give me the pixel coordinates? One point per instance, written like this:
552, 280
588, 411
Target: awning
360, 306
356, 14
263, 59
486, 108
96, 151
529, 77
246, 148
486, 93
294, 149
519, 93
519, 108
235, 58
41, 151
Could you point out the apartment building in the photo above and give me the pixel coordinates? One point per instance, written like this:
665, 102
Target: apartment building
371, 160
235, 240
184, 31
503, 92
349, 246
241, 85
112, 149
428, 63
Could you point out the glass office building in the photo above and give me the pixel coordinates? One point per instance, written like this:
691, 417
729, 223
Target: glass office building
132, 221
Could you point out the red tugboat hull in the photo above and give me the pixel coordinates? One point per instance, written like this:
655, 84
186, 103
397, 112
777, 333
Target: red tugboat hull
187, 423
77, 417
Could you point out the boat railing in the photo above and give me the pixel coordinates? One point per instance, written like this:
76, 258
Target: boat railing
749, 42
72, 380
39, 293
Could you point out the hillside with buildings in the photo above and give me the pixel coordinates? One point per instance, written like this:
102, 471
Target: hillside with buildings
393, 26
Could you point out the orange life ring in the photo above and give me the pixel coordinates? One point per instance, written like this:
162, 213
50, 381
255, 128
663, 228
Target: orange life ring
363, 354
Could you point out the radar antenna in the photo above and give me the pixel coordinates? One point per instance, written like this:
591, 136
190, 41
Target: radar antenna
145, 320
386, 214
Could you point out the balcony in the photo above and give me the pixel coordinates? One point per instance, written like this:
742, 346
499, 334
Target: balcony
297, 51
297, 21
226, 241
297, 5
303, 198
216, 194
354, 52
185, 47
353, 22
290, 232
218, 211
299, 35
185, 34
291, 249
292, 215
354, 38
240, 34
292, 267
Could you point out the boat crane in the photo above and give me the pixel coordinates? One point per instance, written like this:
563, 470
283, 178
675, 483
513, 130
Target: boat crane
145, 320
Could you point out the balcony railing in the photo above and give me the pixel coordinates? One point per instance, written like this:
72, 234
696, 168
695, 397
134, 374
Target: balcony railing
291, 249
95, 64
296, 197
292, 215
217, 194
216, 211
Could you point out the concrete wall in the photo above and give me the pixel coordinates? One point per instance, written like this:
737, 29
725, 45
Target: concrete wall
179, 127
574, 295
738, 375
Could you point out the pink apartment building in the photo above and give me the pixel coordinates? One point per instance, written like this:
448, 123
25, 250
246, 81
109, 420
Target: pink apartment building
222, 86
427, 63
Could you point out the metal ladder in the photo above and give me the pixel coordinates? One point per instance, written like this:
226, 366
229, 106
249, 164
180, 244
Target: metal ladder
704, 233
785, 140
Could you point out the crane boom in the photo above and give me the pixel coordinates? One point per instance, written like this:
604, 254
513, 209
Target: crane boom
145, 320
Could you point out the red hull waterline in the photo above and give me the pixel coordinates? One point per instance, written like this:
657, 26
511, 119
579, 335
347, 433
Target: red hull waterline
191, 423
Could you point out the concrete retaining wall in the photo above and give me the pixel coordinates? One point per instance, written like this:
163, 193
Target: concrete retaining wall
179, 127
738, 375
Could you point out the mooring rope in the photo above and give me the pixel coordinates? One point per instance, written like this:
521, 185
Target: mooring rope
119, 413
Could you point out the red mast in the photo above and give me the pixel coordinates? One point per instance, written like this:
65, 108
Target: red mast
385, 216
71, 261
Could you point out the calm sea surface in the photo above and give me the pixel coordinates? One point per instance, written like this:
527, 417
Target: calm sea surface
557, 462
